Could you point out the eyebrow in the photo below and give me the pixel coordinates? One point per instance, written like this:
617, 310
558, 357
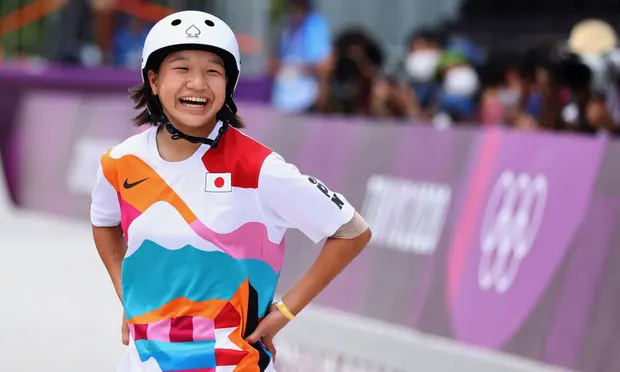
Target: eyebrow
217, 61
178, 58
212, 60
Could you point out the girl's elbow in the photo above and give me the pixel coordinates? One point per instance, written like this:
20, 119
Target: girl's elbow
364, 238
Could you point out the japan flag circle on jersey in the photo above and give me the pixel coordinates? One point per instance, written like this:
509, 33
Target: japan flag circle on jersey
218, 182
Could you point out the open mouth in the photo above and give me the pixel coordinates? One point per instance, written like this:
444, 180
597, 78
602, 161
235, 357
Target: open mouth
194, 102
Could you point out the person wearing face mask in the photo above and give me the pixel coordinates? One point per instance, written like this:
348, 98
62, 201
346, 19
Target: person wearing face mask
424, 52
491, 109
525, 79
459, 88
510, 93
512, 86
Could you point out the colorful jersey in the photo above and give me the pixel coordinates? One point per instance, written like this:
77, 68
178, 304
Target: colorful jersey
205, 240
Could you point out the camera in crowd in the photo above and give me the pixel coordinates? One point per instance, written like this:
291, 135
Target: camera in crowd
588, 65
583, 72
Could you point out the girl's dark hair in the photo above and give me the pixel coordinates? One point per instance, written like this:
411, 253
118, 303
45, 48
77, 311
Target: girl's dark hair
142, 94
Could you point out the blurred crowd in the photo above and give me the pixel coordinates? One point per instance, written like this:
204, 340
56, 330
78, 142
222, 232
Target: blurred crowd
439, 77
571, 84
448, 80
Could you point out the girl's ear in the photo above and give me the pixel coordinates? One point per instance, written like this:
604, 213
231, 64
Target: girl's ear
153, 82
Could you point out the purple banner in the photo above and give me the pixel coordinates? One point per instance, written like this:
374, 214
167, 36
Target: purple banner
495, 238
514, 242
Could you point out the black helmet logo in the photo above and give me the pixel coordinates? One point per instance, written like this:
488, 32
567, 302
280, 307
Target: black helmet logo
193, 31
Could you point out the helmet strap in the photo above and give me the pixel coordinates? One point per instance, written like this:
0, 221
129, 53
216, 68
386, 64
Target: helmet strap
226, 115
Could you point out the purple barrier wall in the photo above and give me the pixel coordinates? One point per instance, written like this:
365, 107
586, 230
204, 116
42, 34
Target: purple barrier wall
497, 239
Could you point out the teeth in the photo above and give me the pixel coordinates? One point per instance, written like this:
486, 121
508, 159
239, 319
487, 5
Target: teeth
193, 106
195, 99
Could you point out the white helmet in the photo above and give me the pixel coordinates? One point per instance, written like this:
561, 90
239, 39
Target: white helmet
192, 29
189, 30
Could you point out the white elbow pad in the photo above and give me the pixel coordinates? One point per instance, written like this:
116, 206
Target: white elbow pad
352, 229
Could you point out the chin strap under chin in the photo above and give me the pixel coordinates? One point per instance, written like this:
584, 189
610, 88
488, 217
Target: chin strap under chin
177, 134
157, 115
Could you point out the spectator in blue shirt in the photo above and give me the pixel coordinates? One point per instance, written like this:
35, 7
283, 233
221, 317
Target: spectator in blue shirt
303, 46
128, 43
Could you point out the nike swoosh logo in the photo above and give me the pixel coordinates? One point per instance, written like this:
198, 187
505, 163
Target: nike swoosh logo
128, 185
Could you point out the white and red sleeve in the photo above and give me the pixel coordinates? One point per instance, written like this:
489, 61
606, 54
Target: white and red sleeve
294, 200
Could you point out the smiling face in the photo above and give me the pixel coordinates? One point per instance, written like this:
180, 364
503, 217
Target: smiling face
191, 85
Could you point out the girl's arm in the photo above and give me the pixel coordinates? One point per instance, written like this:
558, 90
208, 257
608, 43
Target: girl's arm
111, 248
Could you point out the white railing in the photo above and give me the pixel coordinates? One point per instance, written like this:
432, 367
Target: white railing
325, 340
6, 205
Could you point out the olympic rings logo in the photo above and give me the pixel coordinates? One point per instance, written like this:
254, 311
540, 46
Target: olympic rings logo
510, 224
